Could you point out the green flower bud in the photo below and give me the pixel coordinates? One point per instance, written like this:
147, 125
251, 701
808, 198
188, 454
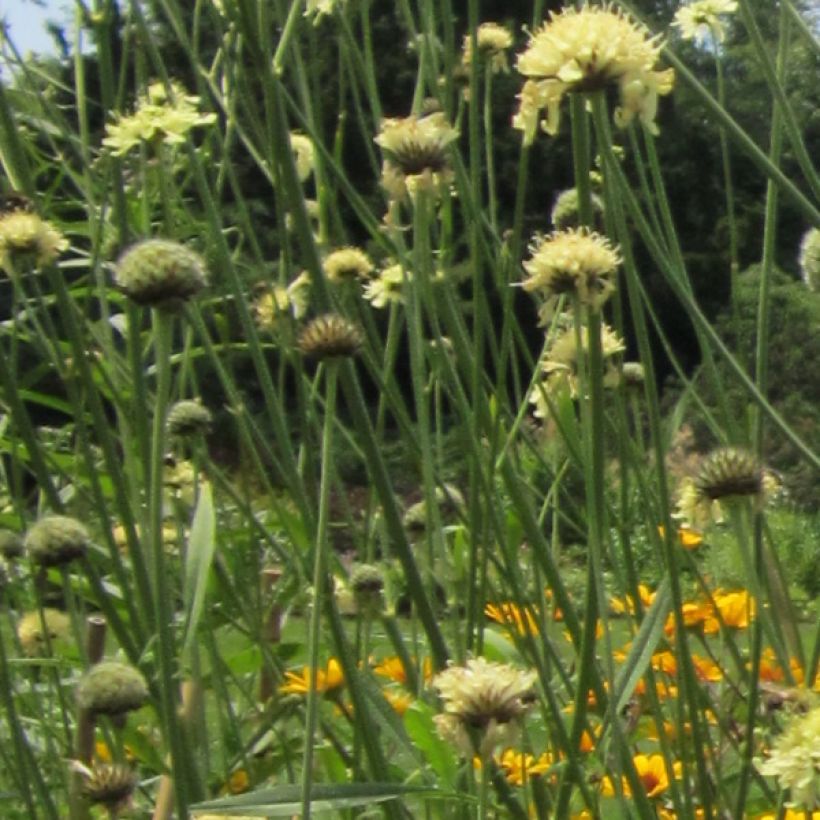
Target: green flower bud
56, 540
367, 583
11, 544
160, 273
188, 418
112, 688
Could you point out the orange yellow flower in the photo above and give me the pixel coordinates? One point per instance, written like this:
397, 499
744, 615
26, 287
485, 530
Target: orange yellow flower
325, 680
514, 617
688, 537
400, 701
653, 773
519, 767
627, 604
393, 669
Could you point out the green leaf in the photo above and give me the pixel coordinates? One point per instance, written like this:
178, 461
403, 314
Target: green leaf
285, 800
198, 560
418, 721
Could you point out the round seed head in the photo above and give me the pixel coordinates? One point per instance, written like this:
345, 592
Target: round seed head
367, 583
160, 273
633, 374
729, 471
188, 418
11, 544
56, 540
112, 688
565, 213
329, 336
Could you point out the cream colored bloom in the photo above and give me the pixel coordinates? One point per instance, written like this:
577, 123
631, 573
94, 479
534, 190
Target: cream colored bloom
700, 19
795, 760
387, 287
810, 258
25, 237
346, 264
493, 41
415, 154
586, 50
561, 363
482, 701
576, 262
283, 300
158, 117
303, 154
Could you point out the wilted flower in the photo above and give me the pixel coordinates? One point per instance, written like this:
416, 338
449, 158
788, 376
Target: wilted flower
810, 258
415, 154
566, 212
493, 41
387, 287
303, 154
158, 117
39, 630
482, 704
587, 50
576, 262
283, 300
330, 336
324, 680
55, 540
795, 760
160, 273
701, 19
25, 237
346, 264
112, 688
188, 418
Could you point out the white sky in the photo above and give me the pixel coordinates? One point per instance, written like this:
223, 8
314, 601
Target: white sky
26, 22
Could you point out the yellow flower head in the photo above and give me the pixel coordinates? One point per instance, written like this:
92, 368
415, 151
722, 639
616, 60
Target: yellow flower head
519, 767
318, 8
653, 774
283, 300
700, 19
324, 680
393, 669
37, 632
415, 154
493, 41
346, 264
159, 116
25, 237
303, 154
586, 50
387, 287
576, 262
515, 618
795, 760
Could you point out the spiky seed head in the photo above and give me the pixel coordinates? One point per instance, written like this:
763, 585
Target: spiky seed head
109, 784
367, 583
188, 418
112, 688
11, 545
729, 471
56, 540
160, 273
329, 336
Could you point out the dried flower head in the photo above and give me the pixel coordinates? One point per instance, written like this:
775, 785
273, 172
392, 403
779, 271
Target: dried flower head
347, 264
482, 704
112, 688
160, 116
493, 41
387, 287
367, 584
795, 760
330, 336
26, 239
303, 154
810, 258
415, 154
576, 262
160, 273
188, 418
283, 301
566, 213
700, 19
55, 540
584, 50
43, 629
108, 784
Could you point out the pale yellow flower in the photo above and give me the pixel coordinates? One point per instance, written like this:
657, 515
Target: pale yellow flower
39, 631
283, 300
493, 41
158, 117
346, 264
387, 287
24, 237
318, 8
484, 699
700, 19
303, 154
810, 258
587, 50
576, 262
795, 760
415, 154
